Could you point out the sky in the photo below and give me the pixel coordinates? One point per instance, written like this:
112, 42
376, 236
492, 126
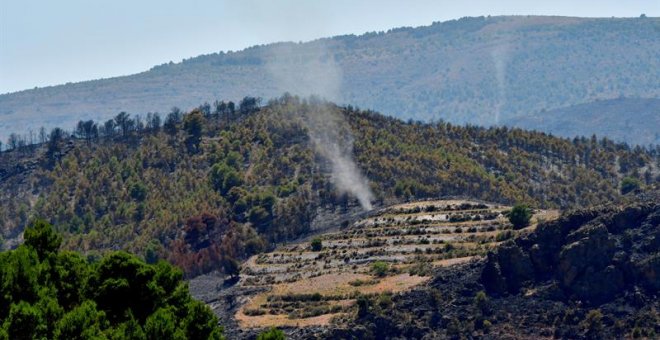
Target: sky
49, 42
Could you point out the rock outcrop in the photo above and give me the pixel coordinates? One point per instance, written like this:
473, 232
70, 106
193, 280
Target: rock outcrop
593, 255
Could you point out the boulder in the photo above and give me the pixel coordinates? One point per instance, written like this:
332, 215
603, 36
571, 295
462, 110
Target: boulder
491, 276
591, 247
593, 255
648, 272
515, 266
597, 286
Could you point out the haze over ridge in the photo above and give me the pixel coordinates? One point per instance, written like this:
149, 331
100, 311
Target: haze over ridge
473, 70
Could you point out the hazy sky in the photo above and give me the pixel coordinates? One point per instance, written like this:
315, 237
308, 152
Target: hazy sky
53, 42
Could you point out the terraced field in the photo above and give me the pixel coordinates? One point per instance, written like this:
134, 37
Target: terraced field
393, 250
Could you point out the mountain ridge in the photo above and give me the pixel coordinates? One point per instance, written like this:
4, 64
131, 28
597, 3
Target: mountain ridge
205, 185
472, 70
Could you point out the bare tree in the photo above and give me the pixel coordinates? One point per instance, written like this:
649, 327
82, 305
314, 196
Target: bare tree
125, 123
43, 135
12, 141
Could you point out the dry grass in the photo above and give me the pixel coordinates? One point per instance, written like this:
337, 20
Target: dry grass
307, 283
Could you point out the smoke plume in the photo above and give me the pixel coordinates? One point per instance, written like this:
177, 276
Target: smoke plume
311, 70
500, 57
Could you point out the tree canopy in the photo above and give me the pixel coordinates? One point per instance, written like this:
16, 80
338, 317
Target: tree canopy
258, 174
520, 216
52, 294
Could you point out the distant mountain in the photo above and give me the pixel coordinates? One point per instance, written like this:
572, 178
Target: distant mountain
481, 70
631, 120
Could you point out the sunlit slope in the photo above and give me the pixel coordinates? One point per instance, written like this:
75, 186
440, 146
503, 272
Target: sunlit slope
392, 251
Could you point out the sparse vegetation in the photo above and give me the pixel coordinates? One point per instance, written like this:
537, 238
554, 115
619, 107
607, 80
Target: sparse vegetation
629, 184
380, 268
272, 334
391, 251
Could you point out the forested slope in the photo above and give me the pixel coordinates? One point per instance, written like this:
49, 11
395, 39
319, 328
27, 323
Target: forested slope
480, 70
618, 119
215, 185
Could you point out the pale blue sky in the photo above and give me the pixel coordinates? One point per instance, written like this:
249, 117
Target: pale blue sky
53, 42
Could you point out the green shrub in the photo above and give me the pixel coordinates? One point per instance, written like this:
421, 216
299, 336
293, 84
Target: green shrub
520, 216
316, 244
629, 184
380, 268
503, 235
481, 302
421, 269
384, 301
272, 334
358, 282
593, 324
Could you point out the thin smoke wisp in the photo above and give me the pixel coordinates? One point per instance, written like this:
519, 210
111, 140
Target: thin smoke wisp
311, 70
500, 56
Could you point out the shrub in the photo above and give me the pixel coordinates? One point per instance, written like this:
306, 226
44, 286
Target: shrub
380, 268
316, 244
629, 184
593, 324
504, 235
384, 301
487, 325
421, 269
481, 302
520, 216
363, 305
358, 282
254, 312
271, 334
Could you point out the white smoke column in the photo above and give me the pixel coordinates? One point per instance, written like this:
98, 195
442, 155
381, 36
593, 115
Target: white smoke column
332, 139
500, 56
310, 70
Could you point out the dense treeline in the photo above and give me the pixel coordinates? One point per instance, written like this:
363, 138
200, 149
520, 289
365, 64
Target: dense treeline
122, 125
51, 294
220, 183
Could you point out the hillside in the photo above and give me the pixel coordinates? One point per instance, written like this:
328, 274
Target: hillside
591, 274
612, 118
314, 283
473, 70
203, 189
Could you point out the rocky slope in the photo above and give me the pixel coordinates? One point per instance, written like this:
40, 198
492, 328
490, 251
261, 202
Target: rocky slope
590, 255
590, 274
